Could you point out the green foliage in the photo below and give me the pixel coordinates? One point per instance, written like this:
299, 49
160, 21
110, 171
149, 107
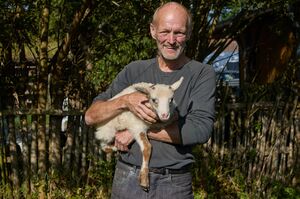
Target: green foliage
231, 10
120, 34
281, 190
65, 185
102, 173
5, 191
105, 69
213, 178
216, 179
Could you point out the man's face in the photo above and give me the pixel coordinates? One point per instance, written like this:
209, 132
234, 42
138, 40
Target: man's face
170, 32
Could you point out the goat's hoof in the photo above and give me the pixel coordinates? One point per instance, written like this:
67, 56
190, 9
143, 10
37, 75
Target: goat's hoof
144, 180
145, 184
146, 189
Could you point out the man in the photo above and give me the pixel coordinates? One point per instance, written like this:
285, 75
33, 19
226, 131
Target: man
171, 157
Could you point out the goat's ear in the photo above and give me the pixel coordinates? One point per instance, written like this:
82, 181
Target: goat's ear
144, 88
177, 84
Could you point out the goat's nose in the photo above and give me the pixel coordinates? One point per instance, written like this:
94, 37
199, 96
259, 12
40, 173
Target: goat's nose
165, 116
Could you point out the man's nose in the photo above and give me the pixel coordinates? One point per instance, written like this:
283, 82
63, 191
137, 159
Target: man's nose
171, 38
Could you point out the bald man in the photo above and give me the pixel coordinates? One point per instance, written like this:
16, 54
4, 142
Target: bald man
171, 158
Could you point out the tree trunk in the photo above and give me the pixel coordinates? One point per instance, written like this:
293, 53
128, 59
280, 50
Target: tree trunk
3, 151
13, 154
33, 150
58, 83
55, 143
42, 94
25, 151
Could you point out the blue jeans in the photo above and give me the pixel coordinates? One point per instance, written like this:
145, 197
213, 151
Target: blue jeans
162, 186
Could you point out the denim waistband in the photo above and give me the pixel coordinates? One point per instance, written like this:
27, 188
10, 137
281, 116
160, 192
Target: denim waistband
162, 171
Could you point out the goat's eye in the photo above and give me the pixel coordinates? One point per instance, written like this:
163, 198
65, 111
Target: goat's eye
154, 100
170, 100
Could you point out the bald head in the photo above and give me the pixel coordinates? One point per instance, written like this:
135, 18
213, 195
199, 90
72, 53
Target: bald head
173, 8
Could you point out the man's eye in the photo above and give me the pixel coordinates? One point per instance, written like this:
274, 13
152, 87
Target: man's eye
180, 34
163, 33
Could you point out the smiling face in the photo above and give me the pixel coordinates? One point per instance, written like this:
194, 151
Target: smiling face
170, 29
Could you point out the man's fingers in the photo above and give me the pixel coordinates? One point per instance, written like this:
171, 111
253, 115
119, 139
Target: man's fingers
146, 114
147, 108
120, 146
141, 107
122, 140
148, 105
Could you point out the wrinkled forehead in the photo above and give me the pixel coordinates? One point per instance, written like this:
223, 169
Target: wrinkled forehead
175, 9
174, 14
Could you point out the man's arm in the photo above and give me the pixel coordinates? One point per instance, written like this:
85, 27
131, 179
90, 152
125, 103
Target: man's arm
102, 111
168, 134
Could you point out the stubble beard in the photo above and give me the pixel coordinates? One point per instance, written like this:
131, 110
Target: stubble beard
171, 57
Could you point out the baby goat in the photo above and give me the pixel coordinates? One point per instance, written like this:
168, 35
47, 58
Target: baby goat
161, 99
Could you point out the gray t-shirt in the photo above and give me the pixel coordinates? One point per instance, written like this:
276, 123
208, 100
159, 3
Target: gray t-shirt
195, 99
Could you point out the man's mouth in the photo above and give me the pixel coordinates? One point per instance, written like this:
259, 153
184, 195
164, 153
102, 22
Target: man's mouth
171, 47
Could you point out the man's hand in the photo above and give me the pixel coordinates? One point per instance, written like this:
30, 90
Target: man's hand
138, 104
169, 134
123, 139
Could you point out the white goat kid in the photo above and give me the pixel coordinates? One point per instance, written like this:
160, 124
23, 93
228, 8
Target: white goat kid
161, 99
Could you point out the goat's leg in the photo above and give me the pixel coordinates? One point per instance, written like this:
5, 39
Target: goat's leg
145, 147
106, 136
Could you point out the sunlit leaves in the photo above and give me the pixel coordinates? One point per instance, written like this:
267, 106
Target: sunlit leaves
121, 36
118, 55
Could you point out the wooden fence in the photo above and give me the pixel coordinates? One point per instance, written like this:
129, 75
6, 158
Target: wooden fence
20, 156
261, 140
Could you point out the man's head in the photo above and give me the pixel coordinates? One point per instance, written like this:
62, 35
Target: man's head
171, 27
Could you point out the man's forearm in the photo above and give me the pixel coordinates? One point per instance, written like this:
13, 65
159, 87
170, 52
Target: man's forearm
102, 111
168, 134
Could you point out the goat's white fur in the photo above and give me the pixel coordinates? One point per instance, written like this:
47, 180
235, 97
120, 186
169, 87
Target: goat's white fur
161, 99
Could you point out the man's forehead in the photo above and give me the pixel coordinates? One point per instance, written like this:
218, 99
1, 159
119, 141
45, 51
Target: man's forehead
171, 8
171, 18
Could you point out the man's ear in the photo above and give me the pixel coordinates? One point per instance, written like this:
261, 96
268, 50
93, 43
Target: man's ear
153, 31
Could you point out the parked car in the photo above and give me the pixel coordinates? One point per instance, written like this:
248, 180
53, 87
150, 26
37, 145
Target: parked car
226, 66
